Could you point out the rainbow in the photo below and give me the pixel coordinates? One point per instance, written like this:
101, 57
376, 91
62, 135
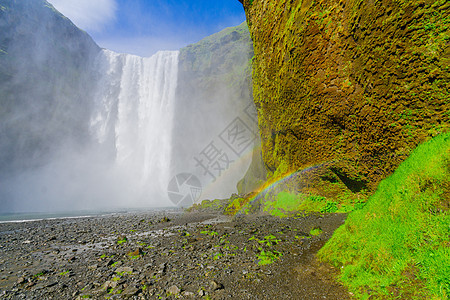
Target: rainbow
271, 184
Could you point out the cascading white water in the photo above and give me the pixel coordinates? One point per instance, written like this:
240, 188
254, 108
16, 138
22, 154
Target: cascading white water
134, 117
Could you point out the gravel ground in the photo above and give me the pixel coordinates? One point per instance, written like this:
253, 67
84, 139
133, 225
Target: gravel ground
168, 255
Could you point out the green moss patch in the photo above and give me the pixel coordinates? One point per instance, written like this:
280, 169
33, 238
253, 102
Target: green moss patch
398, 245
316, 231
236, 206
215, 205
286, 204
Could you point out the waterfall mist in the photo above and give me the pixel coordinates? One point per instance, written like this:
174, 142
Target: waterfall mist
84, 128
127, 162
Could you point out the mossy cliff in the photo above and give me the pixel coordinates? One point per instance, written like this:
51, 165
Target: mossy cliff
345, 91
353, 86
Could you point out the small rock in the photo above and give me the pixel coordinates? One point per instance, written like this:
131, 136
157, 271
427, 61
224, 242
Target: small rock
50, 284
188, 294
147, 266
130, 291
108, 284
174, 290
162, 268
215, 285
137, 252
124, 270
21, 280
201, 293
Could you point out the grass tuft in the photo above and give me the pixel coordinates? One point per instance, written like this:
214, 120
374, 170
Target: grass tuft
287, 203
398, 245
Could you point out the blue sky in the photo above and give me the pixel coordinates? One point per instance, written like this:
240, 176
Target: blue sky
143, 27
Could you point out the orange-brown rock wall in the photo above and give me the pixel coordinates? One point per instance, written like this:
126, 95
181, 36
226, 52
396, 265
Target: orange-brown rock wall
357, 84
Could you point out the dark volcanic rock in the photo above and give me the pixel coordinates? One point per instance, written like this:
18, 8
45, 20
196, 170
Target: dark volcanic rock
224, 263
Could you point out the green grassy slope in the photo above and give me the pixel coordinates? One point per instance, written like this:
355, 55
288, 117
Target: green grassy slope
398, 245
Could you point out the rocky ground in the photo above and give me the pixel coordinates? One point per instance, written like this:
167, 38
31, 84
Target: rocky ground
168, 255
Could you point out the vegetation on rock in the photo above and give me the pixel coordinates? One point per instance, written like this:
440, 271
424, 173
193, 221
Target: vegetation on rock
398, 244
355, 85
345, 91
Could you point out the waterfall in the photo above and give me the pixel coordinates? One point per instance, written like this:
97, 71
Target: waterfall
133, 117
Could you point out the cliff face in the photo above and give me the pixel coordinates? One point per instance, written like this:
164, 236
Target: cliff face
352, 86
44, 86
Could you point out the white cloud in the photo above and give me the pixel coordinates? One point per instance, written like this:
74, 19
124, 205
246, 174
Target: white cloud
89, 15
